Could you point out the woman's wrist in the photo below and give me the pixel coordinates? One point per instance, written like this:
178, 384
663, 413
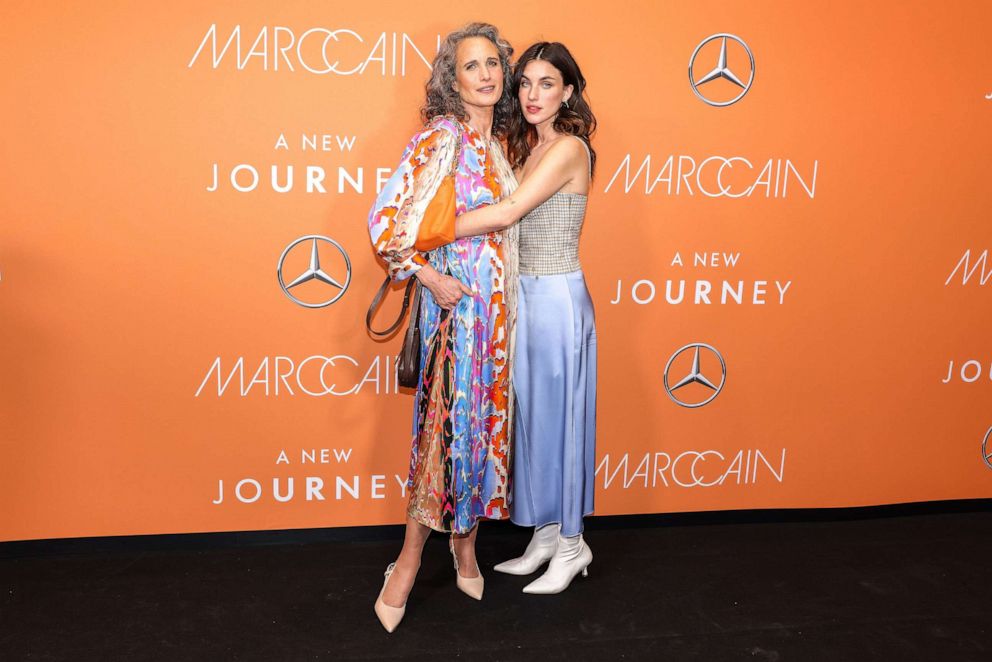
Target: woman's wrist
506, 213
427, 275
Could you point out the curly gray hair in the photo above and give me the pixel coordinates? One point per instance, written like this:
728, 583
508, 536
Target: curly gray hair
442, 98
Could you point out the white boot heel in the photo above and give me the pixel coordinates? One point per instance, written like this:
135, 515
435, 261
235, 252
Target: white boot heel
571, 558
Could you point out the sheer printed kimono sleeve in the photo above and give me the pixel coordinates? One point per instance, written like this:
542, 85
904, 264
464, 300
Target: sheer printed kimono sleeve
398, 210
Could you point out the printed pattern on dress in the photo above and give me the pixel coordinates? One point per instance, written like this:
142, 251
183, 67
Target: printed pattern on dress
459, 465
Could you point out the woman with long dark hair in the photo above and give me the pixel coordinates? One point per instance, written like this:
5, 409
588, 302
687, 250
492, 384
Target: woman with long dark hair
459, 468
554, 370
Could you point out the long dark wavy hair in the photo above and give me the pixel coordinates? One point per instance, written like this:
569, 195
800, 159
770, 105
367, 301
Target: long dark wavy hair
443, 100
575, 117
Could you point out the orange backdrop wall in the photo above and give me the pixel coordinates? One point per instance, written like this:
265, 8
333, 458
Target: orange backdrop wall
823, 241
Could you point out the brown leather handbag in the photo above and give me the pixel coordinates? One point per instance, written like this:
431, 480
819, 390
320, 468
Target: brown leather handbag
408, 364
437, 227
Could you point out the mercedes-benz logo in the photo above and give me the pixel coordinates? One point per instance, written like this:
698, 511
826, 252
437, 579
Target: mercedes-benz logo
314, 271
986, 451
721, 70
695, 375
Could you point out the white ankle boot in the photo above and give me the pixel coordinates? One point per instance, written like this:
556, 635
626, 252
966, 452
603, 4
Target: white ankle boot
540, 548
571, 557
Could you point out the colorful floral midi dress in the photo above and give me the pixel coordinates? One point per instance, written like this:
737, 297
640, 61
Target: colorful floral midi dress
459, 466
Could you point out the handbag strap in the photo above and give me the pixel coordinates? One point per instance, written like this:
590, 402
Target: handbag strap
412, 282
412, 335
377, 301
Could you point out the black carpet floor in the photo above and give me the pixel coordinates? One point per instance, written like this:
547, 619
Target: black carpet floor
877, 584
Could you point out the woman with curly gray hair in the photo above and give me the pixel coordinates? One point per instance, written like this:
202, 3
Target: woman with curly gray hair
459, 469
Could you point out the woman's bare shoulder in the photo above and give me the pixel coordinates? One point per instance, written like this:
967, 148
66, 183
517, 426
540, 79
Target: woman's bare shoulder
568, 148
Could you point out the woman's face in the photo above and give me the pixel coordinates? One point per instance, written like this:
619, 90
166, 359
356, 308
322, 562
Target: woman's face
478, 73
542, 91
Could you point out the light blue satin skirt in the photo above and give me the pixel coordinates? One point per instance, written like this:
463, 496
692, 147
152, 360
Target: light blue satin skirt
554, 376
